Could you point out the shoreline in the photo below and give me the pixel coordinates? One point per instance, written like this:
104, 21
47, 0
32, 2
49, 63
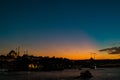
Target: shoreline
69, 74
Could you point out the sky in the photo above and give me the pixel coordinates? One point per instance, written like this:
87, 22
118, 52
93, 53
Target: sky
63, 28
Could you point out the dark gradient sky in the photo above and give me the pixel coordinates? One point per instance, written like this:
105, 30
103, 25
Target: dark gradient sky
59, 27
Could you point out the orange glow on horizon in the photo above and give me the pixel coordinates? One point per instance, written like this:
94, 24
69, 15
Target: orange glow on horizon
80, 56
71, 50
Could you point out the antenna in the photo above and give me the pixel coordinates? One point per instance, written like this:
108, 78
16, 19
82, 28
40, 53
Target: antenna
92, 55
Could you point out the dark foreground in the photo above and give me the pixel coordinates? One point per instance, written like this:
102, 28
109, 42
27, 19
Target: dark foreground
71, 74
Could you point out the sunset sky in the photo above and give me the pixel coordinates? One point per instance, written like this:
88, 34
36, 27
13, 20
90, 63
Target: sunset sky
63, 28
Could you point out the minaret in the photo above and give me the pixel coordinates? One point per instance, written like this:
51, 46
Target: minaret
18, 51
26, 51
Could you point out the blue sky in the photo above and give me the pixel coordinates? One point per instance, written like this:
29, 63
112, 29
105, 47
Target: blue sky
36, 23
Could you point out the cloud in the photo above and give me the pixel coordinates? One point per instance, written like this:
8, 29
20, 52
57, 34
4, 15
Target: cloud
113, 50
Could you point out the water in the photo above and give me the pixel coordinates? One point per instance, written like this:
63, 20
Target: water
70, 74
